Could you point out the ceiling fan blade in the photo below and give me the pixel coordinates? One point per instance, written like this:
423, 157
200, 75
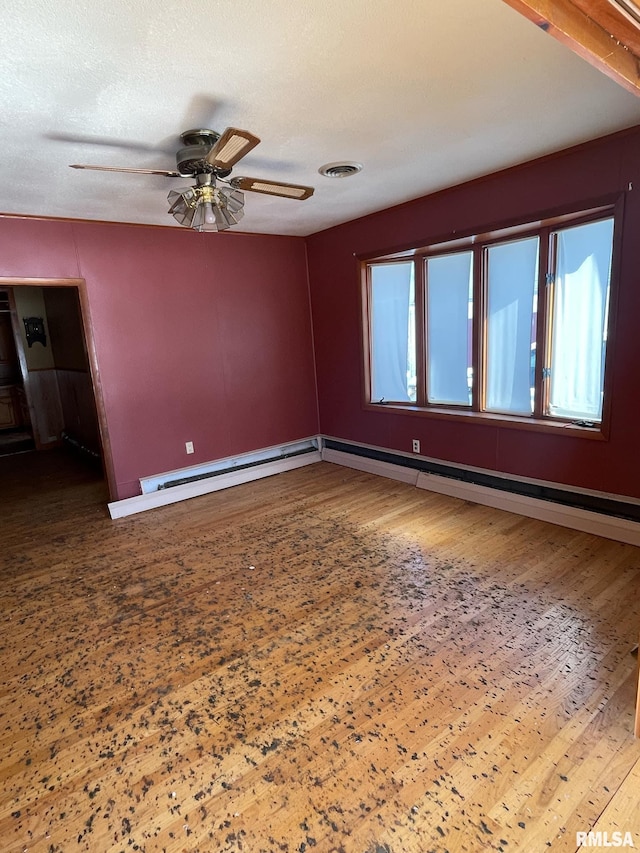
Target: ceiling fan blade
260, 185
164, 172
166, 147
231, 147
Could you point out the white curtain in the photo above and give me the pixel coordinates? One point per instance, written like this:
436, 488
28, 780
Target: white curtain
449, 279
391, 292
513, 273
579, 321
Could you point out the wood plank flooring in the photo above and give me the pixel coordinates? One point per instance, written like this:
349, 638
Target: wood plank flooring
319, 661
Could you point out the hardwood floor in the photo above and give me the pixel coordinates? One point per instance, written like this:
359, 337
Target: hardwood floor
323, 660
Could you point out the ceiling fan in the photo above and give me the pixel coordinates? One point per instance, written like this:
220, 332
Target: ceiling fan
209, 157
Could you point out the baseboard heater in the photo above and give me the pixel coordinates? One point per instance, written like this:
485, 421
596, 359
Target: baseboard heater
629, 511
240, 466
173, 486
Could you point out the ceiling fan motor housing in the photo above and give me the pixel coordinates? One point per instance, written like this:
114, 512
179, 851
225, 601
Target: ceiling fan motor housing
191, 160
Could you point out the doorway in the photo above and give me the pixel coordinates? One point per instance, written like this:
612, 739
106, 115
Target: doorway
48, 391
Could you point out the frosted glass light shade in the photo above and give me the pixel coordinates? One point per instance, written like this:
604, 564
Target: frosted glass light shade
206, 208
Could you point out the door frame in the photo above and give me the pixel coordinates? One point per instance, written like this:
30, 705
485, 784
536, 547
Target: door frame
94, 370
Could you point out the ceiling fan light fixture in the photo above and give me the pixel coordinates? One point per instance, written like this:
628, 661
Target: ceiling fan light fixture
206, 207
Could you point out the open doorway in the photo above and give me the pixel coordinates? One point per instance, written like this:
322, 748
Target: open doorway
48, 397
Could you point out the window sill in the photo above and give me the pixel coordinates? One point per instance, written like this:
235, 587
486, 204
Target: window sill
567, 428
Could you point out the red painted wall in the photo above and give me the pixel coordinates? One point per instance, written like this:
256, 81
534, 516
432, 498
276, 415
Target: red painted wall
199, 337
572, 179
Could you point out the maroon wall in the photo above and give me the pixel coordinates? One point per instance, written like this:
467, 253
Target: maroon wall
575, 178
199, 337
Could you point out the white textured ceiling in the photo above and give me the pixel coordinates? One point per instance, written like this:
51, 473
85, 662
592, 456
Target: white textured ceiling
424, 93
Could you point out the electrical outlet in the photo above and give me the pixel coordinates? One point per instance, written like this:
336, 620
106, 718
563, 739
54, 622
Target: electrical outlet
188, 445
415, 445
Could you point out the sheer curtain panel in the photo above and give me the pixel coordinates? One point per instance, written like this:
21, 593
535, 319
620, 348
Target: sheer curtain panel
392, 346
449, 316
583, 271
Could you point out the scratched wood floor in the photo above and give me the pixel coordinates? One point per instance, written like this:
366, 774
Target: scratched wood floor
319, 661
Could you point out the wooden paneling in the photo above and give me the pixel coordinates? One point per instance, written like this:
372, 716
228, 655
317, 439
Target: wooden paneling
323, 660
594, 29
45, 411
78, 408
611, 16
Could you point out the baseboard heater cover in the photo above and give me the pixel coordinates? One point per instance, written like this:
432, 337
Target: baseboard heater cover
175, 486
590, 512
237, 465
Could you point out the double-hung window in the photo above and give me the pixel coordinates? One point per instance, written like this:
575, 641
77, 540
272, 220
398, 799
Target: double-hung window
511, 324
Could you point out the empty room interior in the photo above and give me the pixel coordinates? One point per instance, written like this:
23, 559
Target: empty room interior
319, 382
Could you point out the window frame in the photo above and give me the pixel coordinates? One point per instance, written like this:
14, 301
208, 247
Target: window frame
542, 226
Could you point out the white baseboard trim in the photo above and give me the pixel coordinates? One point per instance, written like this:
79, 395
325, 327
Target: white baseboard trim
164, 497
610, 527
371, 466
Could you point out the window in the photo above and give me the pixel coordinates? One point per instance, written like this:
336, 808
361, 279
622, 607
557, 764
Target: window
449, 281
579, 320
511, 286
393, 340
514, 324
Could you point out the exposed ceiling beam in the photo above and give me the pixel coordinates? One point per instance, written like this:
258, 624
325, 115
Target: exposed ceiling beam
603, 32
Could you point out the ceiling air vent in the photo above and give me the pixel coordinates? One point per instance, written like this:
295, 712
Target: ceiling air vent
340, 170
